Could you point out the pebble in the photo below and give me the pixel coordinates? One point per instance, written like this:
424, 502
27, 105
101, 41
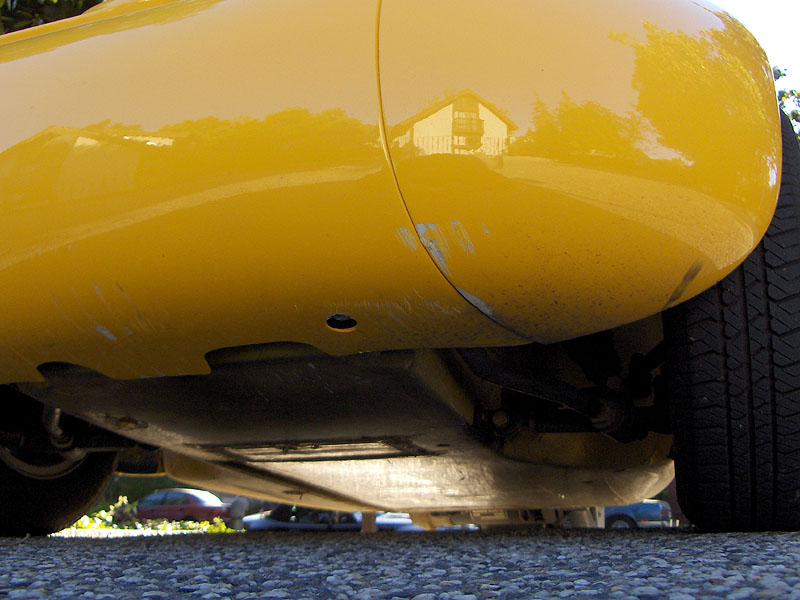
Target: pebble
648, 590
517, 565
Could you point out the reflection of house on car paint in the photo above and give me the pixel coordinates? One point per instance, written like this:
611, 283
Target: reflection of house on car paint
460, 124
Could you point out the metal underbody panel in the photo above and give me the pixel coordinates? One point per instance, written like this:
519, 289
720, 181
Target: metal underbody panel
381, 430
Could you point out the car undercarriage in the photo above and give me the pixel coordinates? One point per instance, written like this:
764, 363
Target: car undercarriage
336, 268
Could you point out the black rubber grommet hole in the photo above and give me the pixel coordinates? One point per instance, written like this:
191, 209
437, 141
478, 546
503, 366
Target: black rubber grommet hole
341, 322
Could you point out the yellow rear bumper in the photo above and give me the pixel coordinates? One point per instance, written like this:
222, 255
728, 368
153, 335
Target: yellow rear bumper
575, 167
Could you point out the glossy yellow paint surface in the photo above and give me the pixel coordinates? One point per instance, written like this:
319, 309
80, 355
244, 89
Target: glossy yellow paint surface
572, 166
182, 176
203, 174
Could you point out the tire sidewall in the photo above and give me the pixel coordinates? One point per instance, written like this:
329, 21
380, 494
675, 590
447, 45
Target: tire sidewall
43, 506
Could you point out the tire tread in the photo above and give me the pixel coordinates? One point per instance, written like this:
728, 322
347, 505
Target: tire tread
733, 371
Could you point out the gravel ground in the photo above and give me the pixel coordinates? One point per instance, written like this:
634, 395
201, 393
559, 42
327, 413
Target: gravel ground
452, 566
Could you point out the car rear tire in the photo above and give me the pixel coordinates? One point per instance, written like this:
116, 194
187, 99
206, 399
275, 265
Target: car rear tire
620, 522
733, 378
38, 501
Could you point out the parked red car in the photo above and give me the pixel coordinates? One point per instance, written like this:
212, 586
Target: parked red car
181, 504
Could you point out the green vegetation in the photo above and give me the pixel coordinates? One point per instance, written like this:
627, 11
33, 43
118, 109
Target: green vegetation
132, 487
19, 14
121, 515
790, 101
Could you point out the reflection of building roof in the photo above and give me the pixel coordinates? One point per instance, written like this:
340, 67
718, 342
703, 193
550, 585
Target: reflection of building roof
95, 134
405, 125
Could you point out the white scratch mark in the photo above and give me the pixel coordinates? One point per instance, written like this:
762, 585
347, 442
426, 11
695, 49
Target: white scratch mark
477, 303
427, 236
106, 333
407, 237
463, 236
486, 231
99, 293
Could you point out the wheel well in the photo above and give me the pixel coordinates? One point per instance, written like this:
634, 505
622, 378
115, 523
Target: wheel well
33, 426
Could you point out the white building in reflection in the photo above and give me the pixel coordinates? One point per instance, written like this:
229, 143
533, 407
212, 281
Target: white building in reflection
463, 123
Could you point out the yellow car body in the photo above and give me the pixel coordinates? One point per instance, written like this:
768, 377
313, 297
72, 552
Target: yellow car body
187, 180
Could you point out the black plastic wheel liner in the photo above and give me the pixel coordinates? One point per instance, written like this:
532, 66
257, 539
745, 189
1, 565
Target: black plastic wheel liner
733, 375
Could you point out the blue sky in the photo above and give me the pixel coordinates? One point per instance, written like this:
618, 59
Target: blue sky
774, 23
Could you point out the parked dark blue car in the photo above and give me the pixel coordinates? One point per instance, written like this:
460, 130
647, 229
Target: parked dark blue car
647, 513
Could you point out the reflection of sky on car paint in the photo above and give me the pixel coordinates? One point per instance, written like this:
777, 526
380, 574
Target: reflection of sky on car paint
589, 66
179, 85
772, 22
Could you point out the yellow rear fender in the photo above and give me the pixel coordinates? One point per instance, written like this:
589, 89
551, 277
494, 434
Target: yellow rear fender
178, 177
